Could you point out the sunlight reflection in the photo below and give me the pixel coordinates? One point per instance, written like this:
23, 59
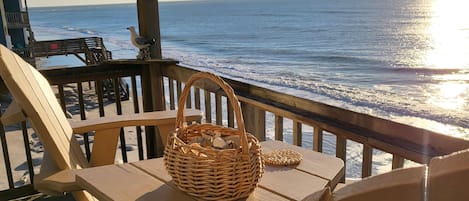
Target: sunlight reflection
449, 95
448, 30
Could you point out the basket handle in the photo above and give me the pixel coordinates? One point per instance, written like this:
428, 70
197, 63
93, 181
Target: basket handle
180, 118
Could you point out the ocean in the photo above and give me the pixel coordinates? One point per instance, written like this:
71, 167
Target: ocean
403, 60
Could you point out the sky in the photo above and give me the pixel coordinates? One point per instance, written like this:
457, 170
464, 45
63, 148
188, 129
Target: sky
47, 3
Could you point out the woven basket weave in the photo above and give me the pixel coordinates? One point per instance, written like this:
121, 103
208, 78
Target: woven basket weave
213, 174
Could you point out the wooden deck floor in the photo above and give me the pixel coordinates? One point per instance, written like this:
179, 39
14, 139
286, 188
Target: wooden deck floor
42, 197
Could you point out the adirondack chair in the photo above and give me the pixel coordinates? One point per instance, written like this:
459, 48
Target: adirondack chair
400, 184
448, 177
35, 100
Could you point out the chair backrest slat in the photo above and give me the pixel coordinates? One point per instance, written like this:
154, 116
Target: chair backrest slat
34, 95
448, 177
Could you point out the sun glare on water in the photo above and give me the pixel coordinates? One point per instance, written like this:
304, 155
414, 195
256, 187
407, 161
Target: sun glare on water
449, 35
449, 95
449, 49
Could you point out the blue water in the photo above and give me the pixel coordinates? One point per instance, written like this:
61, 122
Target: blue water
404, 60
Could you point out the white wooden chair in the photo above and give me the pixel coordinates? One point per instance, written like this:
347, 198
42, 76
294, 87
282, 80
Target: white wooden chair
448, 177
35, 100
406, 184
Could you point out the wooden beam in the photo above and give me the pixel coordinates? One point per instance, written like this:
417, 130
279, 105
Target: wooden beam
153, 100
254, 120
149, 24
278, 128
367, 160
341, 152
317, 139
397, 161
297, 133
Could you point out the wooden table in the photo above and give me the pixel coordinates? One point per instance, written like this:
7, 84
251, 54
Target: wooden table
149, 180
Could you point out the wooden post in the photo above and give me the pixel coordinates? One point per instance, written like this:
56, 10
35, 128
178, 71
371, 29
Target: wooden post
341, 152
297, 133
152, 79
397, 161
278, 128
367, 160
149, 25
317, 139
254, 120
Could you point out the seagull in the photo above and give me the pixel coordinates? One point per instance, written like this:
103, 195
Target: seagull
138, 41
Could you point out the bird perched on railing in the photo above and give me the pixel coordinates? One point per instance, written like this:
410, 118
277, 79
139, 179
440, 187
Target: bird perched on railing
140, 42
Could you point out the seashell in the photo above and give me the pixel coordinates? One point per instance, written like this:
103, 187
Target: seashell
235, 139
207, 140
231, 145
197, 139
218, 142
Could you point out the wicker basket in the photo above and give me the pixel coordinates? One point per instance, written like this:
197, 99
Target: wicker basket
213, 174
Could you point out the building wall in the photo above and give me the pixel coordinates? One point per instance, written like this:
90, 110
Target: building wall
12, 5
3, 40
17, 35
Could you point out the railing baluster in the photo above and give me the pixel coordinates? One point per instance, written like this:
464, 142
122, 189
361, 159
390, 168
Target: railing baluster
172, 103
254, 120
137, 110
341, 151
218, 109
317, 139
6, 157
297, 133
189, 101
29, 159
81, 104
278, 128
62, 97
397, 161
230, 114
117, 97
208, 107
99, 91
197, 98
178, 89
367, 160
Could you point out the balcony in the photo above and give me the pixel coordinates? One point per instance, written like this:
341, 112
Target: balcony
157, 84
17, 20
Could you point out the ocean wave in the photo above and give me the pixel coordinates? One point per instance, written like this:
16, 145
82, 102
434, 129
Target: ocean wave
428, 71
379, 101
346, 59
81, 30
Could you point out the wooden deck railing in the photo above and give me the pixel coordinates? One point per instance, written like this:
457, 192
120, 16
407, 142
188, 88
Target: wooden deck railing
404, 142
264, 110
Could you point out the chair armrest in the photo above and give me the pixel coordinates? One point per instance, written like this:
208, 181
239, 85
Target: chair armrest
13, 114
52, 180
138, 119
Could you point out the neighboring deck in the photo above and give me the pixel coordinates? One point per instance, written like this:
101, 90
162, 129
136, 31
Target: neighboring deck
90, 51
92, 47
